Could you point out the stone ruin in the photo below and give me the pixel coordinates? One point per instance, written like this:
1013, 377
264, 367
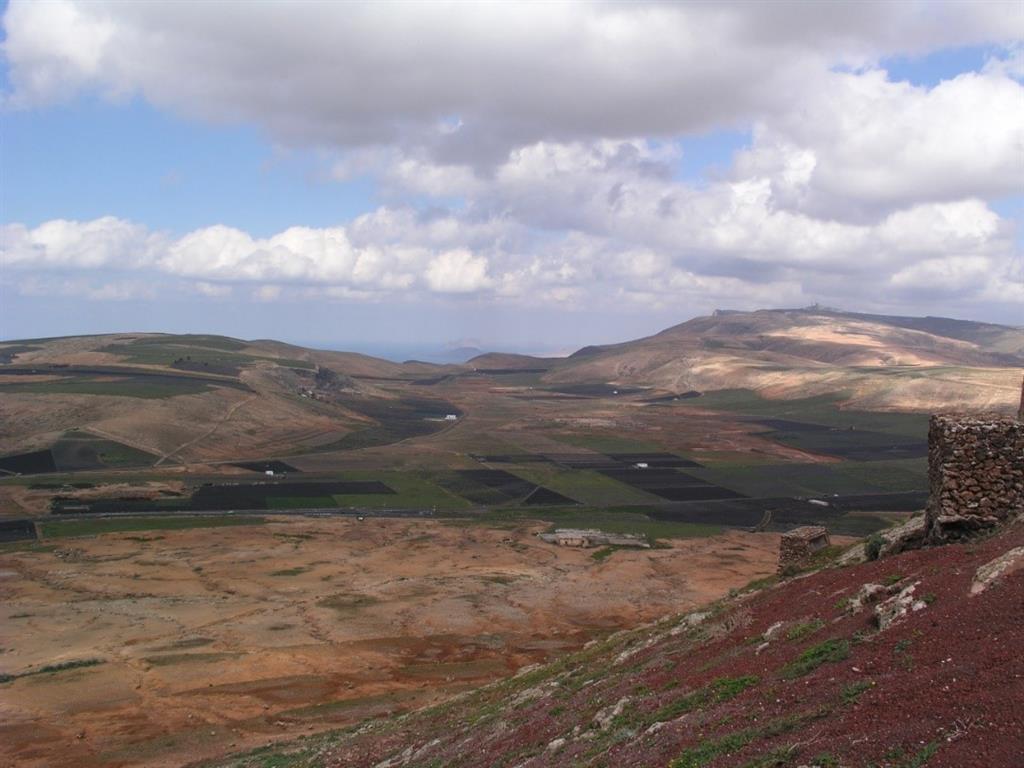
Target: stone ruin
976, 482
591, 537
798, 546
975, 473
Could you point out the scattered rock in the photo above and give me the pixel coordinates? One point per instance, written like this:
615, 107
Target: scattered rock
689, 621
397, 760
534, 667
990, 572
605, 716
908, 535
895, 608
422, 751
556, 744
869, 594
631, 652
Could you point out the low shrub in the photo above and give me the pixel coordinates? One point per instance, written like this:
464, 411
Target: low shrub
873, 546
828, 652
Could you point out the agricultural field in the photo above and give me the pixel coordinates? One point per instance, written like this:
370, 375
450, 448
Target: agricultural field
73, 452
823, 410
203, 354
759, 480
148, 386
686, 462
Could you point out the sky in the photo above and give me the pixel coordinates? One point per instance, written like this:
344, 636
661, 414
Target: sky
402, 178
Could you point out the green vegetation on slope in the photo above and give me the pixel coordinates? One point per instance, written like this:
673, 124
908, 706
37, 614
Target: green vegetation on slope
823, 409
129, 386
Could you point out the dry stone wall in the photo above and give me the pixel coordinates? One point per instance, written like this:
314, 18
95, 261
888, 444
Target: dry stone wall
976, 474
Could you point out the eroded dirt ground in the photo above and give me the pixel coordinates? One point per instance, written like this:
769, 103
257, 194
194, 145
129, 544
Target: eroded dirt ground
218, 639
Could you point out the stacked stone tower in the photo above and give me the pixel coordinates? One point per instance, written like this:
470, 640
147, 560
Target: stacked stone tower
975, 472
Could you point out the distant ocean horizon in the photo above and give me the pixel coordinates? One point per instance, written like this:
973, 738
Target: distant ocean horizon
428, 353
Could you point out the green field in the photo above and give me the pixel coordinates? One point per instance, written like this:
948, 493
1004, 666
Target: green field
166, 352
141, 386
626, 519
197, 340
80, 450
848, 477
413, 490
584, 485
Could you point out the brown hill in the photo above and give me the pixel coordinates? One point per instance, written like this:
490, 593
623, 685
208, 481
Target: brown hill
877, 361
190, 397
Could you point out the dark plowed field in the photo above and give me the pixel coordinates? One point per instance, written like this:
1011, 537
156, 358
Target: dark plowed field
74, 452
583, 461
907, 501
505, 482
10, 352
33, 463
77, 451
672, 398
545, 496
782, 513
17, 530
255, 496
845, 443
232, 497
396, 420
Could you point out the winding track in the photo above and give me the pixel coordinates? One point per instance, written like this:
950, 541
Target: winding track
227, 417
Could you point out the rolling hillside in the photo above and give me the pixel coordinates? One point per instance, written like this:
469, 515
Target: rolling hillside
166, 396
162, 398
807, 672
877, 362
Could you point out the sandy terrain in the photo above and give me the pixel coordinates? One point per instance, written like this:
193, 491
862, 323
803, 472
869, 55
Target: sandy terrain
225, 638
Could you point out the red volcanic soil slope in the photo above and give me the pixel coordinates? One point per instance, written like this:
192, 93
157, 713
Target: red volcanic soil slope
788, 675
